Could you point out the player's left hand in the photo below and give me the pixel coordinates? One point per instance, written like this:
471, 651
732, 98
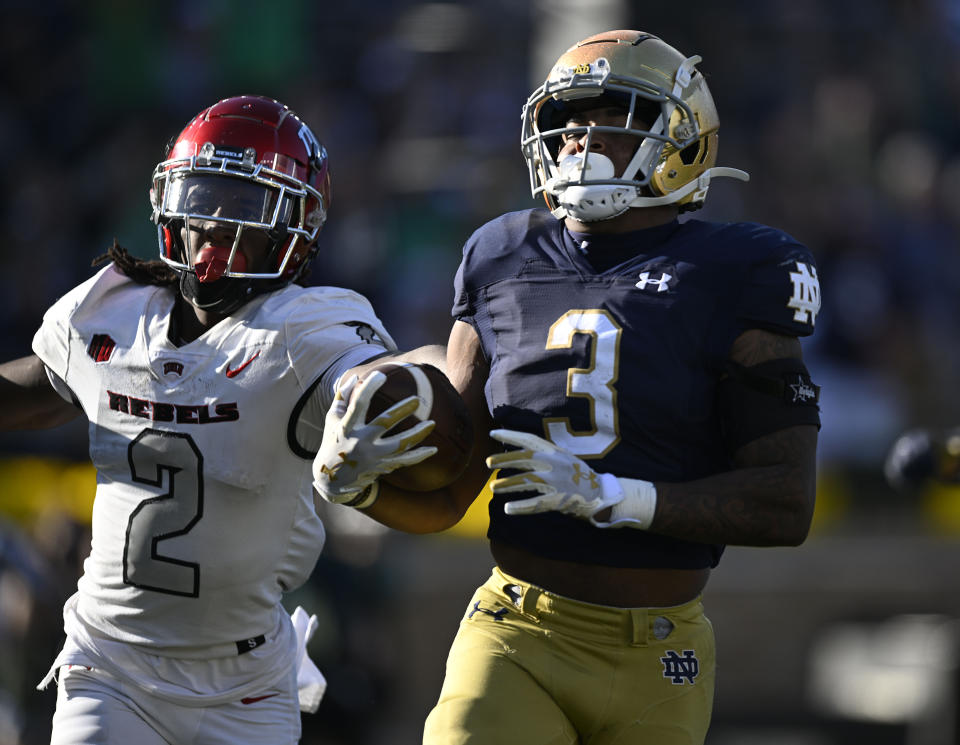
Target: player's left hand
564, 482
354, 453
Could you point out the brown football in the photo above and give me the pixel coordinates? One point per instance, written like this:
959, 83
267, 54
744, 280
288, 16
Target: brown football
452, 435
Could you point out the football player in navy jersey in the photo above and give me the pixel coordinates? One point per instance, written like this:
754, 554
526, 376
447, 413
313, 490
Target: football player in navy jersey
206, 376
642, 384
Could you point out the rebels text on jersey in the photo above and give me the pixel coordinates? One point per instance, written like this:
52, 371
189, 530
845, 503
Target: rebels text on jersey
612, 346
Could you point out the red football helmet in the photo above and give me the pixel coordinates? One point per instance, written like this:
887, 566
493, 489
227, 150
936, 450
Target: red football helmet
247, 163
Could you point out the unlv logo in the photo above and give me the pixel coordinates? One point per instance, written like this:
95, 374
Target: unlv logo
679, 669
101, 347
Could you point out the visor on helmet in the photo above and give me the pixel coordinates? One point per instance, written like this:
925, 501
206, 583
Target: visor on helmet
197, 196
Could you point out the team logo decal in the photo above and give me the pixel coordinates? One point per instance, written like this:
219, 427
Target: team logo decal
806, 294
315, 150
366, 332
804, 391
596, 70
101, 347
173, 368
681, 669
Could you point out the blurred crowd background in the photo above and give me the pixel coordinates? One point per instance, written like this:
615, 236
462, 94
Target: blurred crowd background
846, 113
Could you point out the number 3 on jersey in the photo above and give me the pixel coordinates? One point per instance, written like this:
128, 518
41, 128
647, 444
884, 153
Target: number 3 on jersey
156, 519
594, 383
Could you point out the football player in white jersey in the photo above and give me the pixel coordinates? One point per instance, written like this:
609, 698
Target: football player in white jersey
205, 377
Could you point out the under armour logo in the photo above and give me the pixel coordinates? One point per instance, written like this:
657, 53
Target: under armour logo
579, 474
662, 284
497, 615
679, 669
331, 471
806, 294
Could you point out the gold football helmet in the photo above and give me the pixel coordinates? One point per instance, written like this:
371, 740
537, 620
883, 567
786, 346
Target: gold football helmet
669, 110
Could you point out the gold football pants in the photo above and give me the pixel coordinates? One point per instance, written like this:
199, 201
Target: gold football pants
528, 667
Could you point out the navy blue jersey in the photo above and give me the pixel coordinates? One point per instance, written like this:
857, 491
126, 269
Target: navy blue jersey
616, 358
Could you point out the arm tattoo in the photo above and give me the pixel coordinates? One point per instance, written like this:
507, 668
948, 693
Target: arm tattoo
769, 503
756, 346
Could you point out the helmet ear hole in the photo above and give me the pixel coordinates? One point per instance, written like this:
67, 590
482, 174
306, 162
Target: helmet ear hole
689, 155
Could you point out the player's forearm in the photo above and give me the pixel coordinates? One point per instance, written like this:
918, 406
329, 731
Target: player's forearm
431, 512
27, 400
755, 505
426, 512
431, 354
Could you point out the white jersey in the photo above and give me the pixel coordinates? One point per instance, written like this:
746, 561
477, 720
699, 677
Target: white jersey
204, 510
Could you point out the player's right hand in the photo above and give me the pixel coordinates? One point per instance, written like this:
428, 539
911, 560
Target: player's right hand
354, 453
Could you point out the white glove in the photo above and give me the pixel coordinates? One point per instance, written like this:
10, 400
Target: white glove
567, 484
354, 454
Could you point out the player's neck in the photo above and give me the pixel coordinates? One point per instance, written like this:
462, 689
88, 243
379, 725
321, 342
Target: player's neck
189, 322
637, 218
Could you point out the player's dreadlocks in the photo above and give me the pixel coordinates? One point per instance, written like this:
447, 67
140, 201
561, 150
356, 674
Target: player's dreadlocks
139, 270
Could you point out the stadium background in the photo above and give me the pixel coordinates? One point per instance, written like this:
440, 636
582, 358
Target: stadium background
845, 113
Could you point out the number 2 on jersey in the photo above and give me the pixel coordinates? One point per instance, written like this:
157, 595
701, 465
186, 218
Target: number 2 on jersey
594, 383
156, 519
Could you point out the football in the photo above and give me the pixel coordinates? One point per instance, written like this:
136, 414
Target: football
453, 431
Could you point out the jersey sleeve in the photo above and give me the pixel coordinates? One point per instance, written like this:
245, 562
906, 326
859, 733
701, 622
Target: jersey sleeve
51, 343
329, 323
469, 303
780, 290
463, 302
486, 257
329, 332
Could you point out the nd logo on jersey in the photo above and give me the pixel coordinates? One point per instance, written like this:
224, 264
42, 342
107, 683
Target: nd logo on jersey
806, 294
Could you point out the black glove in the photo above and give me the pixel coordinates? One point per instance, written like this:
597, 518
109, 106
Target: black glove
923, 455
